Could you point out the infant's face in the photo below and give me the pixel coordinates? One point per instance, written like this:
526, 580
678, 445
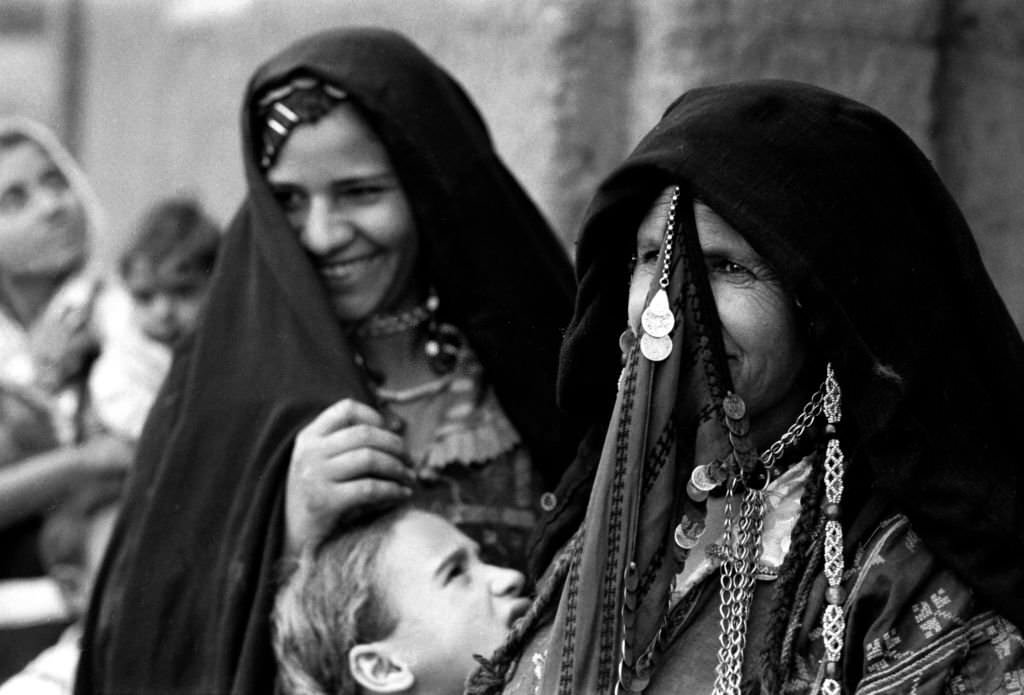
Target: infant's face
166, 301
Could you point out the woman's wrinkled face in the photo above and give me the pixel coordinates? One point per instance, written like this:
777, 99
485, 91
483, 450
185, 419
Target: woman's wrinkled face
762, 337
42, 221
335, 182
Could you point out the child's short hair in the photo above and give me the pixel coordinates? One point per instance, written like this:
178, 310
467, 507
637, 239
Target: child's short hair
330, 604
174, 231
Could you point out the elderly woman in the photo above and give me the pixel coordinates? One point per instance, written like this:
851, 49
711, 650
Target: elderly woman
808, 482
383, 324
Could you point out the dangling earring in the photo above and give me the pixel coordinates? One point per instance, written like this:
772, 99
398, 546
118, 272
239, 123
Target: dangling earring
657, 318
443, 340
833, 624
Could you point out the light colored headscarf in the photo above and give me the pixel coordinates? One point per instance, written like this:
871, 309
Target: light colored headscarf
42, 136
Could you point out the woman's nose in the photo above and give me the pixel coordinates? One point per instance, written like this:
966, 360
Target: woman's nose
506, 581
323, 232
162, 307
53, 202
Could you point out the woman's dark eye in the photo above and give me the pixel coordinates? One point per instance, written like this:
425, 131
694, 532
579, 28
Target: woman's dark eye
54, 180
643, 256
362, 194
13, 199
290, 201
727, 267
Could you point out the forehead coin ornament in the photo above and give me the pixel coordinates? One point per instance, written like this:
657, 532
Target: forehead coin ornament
657, 319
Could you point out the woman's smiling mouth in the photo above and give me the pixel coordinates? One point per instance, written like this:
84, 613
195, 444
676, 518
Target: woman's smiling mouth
345, 272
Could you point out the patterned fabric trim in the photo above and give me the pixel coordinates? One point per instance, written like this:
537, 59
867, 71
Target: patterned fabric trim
935, 656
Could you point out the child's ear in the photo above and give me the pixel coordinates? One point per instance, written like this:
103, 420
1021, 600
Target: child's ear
377, 670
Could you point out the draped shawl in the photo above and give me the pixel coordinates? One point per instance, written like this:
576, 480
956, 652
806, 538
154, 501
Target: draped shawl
894, 294
186, 589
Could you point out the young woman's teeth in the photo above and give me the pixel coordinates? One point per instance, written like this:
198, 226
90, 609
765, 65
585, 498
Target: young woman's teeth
338, 269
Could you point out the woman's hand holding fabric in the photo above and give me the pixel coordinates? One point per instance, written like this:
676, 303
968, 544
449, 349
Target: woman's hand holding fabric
343, 463
62, 340
104, 455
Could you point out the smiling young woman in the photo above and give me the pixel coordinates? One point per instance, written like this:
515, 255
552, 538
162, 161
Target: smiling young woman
383, 325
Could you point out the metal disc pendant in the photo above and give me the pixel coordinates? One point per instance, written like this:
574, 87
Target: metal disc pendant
688, 533
657, 318
702, 479
655, 349
734, 407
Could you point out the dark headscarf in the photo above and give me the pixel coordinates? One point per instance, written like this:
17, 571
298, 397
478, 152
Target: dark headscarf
894, 294
186, 591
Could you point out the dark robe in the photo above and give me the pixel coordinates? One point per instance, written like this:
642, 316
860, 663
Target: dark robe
186, 590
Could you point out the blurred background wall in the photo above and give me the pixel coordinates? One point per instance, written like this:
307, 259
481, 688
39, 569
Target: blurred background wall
147, 92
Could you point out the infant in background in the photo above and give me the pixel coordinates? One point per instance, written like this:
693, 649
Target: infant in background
165, 272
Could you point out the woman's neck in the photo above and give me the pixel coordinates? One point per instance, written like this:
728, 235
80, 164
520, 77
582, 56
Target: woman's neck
26, 296
399, 358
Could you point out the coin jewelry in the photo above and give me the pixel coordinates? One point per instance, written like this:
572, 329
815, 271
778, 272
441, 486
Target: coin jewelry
657, 319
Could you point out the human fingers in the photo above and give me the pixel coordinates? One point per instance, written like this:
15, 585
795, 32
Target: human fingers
358, 496
356, 464
106, 453
310, 514
341, 414
362, 437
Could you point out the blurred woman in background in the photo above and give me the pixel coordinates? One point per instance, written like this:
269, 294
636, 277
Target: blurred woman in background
48, 217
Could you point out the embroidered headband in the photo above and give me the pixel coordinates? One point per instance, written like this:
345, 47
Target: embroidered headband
281, 109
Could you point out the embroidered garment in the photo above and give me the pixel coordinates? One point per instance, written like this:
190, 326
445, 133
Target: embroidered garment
471, 463
944, 643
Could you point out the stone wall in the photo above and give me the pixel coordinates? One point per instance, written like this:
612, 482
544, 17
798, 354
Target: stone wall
568, 86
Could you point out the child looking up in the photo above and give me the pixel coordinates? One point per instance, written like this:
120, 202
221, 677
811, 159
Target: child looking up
397, 603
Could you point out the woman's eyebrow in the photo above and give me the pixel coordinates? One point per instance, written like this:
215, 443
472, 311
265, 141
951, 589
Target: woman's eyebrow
364, 179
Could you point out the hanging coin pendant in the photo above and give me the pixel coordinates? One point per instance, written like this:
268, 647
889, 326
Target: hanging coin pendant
655, 349
695, 493
657, 318
702, 479
687, 538
734, 407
